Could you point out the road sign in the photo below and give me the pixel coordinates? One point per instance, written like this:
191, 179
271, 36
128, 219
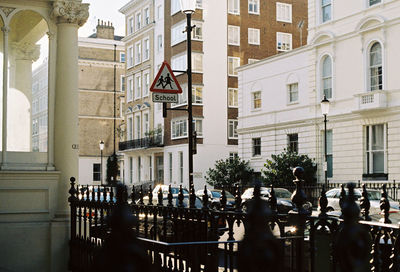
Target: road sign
165, 97
165, 81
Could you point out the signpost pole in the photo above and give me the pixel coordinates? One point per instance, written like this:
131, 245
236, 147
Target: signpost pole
189, 77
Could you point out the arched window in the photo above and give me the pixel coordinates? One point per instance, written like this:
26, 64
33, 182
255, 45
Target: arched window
375, 67
326, 77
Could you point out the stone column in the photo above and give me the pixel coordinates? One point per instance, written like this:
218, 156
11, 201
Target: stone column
69, 16
6, 31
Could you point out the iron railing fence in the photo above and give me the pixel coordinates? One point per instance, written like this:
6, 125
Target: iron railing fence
177, 236
147, 142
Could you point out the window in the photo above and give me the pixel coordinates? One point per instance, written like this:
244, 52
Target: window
197, 32
179, 62
254, 36
181, 167
256, 143
138, 21
130, 57
131, 169
138, 53
182, 98
129, 129
376, 145
175, 6
293, 93
293, 142
232, 97
329, 153
233, 63
254, 6
159, 43
146, 49
233, 155
256, 100
138, 85
375, 67
150, 168
177, 33
198, 127
170, 167
283, 41
146, 83
197, 94
232, 129
326, 9
179, 129
234, 7
122, 87
122, 57
233, 35
139, 168
130, 25
284, 12
159, 12
96, 172
130, 89
326, 80
146, 124
197, 62
146, 12
137, 130
373, 2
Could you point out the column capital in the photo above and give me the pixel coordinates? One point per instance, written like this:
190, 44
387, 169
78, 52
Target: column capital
51, 35
71, 12
5, 29
26, 51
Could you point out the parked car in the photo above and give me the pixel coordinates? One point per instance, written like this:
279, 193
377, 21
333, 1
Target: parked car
283, 197
165, 190
214, 196
374, 197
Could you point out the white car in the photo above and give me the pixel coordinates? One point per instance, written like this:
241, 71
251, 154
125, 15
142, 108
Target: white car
374, 197
165, 190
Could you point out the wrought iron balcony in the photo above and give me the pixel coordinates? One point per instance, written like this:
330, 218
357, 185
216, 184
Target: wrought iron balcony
371, 101
147, 142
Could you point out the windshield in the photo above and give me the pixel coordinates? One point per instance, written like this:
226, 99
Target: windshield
215, 194
282, 193
229, 195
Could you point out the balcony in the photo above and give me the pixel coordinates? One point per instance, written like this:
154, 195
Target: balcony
147, 142
371, 101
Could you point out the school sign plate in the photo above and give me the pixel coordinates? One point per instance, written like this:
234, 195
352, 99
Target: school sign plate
165, 97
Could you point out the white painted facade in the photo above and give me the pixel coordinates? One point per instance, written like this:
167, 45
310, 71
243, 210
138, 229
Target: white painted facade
355, 110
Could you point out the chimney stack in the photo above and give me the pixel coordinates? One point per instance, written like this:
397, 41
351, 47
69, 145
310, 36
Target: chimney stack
104, 30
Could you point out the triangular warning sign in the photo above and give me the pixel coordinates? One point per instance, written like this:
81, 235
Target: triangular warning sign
165, 81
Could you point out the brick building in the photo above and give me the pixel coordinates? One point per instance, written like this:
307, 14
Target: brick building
96, 99
228, 34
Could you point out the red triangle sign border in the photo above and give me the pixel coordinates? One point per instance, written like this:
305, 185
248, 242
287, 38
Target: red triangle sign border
153, 87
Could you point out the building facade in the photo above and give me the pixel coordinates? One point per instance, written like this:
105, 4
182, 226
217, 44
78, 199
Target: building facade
351, 58
38, 37
227, 34
101, 96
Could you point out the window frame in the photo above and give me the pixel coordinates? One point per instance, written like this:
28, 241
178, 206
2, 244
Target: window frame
369, 163
146, 49
282, 35
138, 86
322, 11
374, 4
254, 99
290, 92
293, 142
96, 175
146, 19
122, 58
182, 123
235, 96
370, 67
254, 4
233, 60
324, 78
138, 52
146, 83
129, 89
234, 123
199, 132
253, 36
138, 23
234, 7
256, 146
279, 17
130, 57
233, 30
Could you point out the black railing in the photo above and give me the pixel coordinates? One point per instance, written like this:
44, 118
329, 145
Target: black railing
174, 235
147, 142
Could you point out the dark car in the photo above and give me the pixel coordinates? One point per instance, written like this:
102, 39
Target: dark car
214, 197
283, 197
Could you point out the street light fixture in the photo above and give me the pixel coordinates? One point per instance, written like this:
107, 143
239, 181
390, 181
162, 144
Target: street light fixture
325, 111
188, 7
101, 145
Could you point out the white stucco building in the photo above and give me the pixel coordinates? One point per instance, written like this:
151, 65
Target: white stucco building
351, 57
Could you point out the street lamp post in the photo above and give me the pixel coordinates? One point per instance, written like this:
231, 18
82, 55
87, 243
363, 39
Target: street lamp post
188, 7
101, 145
325, 111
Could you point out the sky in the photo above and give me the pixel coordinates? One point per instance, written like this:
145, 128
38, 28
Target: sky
106, 10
